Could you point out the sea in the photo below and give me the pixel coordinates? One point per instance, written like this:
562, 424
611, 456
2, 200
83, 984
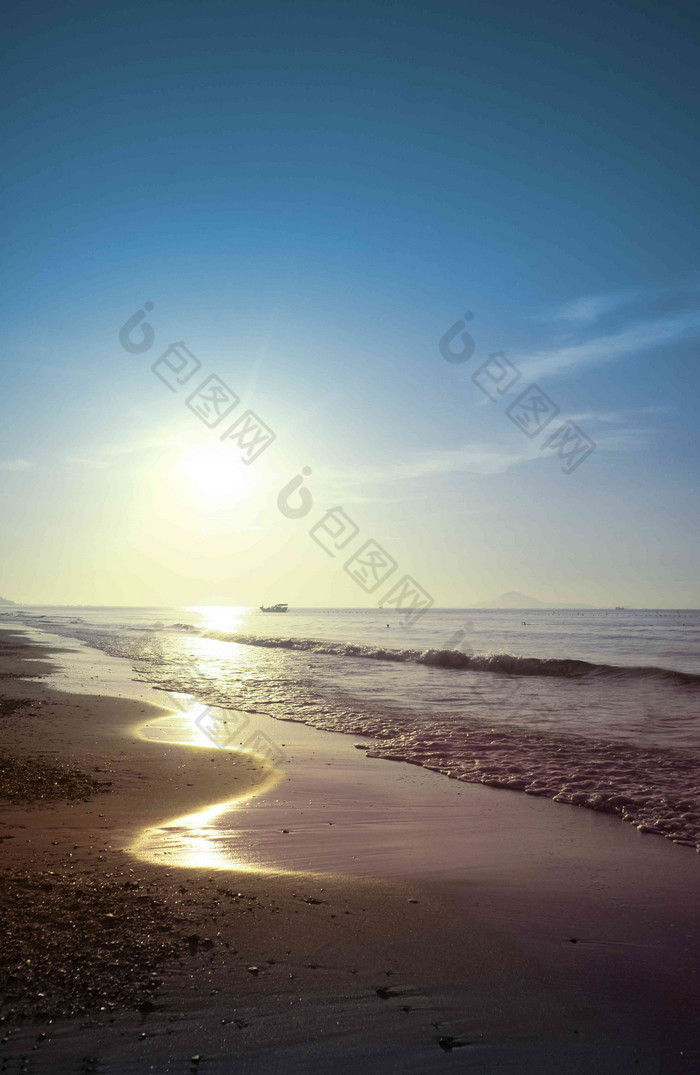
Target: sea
599, 708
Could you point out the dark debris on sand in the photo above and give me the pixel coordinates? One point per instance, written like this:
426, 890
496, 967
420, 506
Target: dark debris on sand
8, 706
26, 780
74, 944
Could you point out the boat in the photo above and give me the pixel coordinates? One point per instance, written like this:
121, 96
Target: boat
281, 607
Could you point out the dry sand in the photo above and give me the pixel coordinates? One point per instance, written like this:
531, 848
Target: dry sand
403, 922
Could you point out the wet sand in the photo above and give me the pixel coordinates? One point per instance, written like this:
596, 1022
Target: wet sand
400, 917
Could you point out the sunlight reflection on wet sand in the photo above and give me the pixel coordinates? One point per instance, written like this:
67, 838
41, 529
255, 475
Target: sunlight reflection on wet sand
195, 840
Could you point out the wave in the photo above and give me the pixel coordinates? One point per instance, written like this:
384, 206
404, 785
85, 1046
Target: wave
498, 663
655, 790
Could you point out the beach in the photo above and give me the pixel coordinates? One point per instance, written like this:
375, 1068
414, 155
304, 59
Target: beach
349, 559
377, 916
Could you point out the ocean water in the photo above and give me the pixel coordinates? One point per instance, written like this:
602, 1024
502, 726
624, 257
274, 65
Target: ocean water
598, 708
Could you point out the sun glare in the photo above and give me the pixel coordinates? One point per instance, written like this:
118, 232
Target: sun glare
214, 475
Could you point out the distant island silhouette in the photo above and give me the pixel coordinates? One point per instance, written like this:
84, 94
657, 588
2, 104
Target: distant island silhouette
5, 601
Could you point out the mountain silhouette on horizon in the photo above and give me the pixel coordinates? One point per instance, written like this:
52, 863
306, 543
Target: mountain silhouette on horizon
512, 599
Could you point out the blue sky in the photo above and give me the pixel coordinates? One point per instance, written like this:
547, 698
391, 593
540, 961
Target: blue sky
311, 196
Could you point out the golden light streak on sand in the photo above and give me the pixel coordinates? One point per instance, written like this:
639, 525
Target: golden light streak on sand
195, 840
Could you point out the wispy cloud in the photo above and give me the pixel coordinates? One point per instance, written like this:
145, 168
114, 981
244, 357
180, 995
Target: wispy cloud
15, 464
634, 339
478, 458
144, 444
619, 432
626, 306
585, 309
108, 455
92, 463
619, 417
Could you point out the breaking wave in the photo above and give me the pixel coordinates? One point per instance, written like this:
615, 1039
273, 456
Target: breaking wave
499, 663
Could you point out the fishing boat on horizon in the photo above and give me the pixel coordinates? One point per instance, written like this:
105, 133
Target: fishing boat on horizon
281, 607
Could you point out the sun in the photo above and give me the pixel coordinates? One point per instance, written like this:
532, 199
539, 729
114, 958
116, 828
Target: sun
214, 475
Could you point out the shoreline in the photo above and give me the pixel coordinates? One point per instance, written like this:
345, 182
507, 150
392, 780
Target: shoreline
483, 961
616, 764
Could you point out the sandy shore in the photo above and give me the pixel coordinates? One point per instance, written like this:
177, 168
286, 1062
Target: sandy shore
349, 913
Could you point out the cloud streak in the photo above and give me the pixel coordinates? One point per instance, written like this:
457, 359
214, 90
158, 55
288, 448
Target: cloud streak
15, 464
634, 339
622, 432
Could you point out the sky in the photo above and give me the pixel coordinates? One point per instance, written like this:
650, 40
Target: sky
312, 198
